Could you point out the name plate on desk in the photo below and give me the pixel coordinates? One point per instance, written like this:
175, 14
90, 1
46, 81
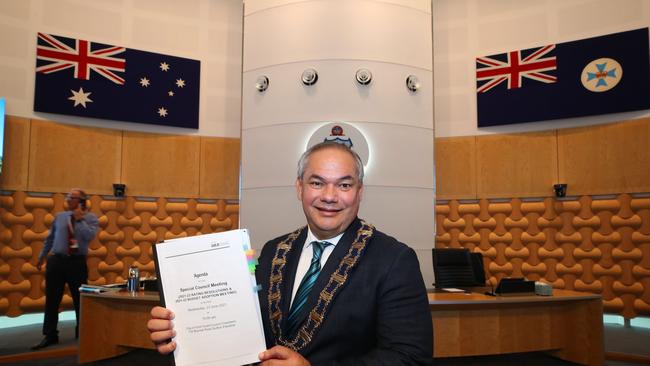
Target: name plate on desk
207, 282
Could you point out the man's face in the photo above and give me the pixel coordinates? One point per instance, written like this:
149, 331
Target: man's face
330, 192
72, 199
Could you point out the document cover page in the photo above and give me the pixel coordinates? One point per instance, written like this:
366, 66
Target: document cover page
206, 281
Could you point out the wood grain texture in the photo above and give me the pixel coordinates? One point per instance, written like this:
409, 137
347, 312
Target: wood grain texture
583, 320
220, 161
517, 165
161, 165
455, 167
112, 325
65, 156
568, 325
16, 154
611, 158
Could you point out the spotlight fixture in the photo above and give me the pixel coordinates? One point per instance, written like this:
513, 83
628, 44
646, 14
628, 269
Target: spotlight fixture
309, 77
560, 190
364, 76
119, 189
412, 83
262, 83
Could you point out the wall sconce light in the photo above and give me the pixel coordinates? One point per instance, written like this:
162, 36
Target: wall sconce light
309, 77
364, 76
119, 189
412, 83
560, 189
262, 83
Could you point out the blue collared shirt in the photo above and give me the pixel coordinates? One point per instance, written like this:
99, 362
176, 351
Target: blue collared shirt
57, 240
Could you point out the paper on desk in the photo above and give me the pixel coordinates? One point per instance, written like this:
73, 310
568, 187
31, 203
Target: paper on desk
206, 281
452, 289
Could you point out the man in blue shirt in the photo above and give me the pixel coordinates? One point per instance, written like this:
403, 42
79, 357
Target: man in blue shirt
71, 232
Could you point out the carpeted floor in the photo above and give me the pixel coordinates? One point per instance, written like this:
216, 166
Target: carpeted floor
18, 340
136, 358
632, 340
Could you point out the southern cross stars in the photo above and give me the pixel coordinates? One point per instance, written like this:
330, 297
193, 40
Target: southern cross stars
144, 82
79, 97
180, 83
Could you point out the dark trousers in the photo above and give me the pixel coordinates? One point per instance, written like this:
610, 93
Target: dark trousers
60, 270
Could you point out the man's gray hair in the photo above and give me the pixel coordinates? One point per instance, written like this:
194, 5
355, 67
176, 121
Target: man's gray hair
82, 193
304, 159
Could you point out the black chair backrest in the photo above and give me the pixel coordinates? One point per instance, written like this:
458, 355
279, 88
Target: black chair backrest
477, 266
452, 267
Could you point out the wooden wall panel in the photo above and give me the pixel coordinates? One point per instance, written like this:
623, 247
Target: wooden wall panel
455, 167
598, 245
603, 159
517, 165
64, 156
16, 153
128, 228
161, 165
220, 161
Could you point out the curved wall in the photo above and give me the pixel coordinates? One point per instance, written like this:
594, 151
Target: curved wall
392, 39
205, 30
466, 29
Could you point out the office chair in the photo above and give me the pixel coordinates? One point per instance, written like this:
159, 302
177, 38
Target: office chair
453, 267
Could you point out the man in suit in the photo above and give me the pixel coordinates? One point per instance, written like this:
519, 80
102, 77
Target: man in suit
367, 306
71, 232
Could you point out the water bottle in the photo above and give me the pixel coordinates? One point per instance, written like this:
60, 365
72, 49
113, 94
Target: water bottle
133, 282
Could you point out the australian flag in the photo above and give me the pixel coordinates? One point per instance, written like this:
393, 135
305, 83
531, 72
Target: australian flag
592, 76
89, 79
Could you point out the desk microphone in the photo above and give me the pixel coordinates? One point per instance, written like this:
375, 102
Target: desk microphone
491, 292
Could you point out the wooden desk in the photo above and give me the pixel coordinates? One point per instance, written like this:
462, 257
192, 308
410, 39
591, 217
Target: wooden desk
113, 323
568, 325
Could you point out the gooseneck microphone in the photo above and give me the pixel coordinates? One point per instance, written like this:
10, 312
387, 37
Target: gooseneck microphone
491, 292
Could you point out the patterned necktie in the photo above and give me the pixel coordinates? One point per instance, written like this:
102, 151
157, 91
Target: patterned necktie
73, 248
305, 286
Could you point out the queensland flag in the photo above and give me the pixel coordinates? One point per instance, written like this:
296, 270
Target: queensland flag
592, 76
82, 78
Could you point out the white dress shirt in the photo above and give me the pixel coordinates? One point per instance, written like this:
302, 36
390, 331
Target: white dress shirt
306, 256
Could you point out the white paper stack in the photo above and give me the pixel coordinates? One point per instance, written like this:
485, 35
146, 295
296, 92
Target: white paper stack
207, 282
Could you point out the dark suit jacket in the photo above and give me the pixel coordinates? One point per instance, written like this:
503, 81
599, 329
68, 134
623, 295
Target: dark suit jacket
380, 317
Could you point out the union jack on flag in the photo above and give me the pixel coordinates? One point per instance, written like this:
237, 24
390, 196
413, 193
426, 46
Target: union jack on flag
535, 64
83, 57
90, 79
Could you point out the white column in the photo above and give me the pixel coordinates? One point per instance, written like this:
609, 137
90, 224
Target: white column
392, 39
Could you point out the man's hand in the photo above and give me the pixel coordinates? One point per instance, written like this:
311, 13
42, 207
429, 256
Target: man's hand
39, 264
161, 329
78, 213
282, 356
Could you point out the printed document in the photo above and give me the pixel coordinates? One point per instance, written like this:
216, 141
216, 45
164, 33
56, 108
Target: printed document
207, 282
